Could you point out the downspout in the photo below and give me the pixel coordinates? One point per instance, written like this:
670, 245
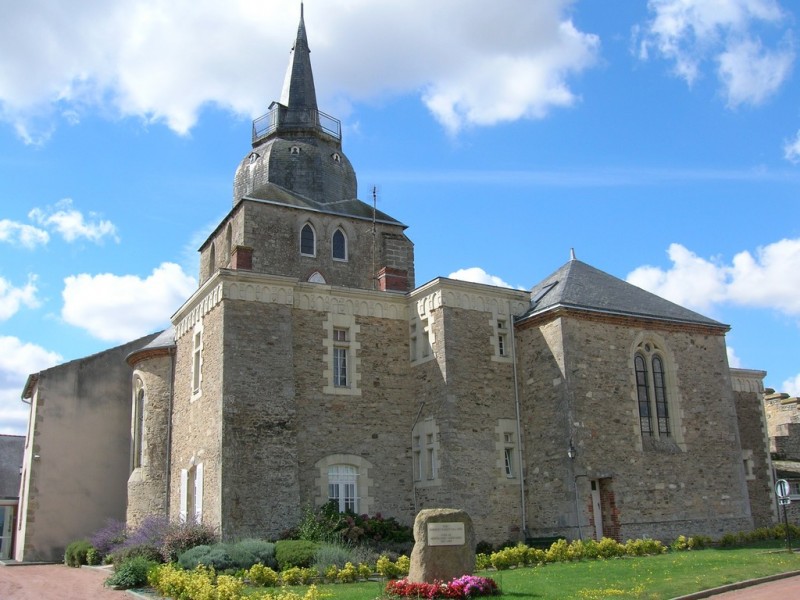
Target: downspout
168, 474
523, 512
413, 478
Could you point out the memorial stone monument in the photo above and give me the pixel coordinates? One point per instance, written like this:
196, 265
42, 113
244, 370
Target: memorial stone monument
444, 546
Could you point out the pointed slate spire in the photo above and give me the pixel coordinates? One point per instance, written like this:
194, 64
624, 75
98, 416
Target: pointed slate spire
298, 86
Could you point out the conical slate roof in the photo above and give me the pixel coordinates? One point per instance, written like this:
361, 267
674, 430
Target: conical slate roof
580, 286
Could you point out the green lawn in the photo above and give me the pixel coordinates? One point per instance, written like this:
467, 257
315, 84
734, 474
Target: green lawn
653, 578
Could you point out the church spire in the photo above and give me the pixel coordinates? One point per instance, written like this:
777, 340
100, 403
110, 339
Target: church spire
298, 86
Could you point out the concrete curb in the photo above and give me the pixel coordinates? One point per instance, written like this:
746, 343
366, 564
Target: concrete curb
737, 586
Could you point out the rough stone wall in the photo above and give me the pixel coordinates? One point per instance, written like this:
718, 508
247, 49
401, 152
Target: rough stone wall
695, 486
748, 390
274, 234
147, 484
261, 431
780, 411
221, 243
373, 425
786, 442
197, 422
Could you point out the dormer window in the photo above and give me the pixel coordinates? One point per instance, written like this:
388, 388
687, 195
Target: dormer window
308, 241
294, 150
336, 157
339, 245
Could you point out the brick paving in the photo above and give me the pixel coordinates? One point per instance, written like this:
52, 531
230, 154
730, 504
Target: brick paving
55, 582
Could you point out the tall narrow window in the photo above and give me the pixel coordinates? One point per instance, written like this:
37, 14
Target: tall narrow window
308, 244
191, 500
502, 338
342, 487
430, 456
418, 466
643, 395
508, 454
340, 351
339, 244
660, 388
197, 361
138, 429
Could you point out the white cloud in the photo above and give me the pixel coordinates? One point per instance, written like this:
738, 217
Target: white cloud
12, 298
123, 307
692, 32
21, 234
163, 61
769, 278
691, 281
478, 275
791, 150
71, 224
734, 362
791, 386
17, 361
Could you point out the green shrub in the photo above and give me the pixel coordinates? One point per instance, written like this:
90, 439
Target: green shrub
179, 538
482, 562
131, 573
193, 557
145, 550
292, 576
76, 553
93, 557
558, 551
644, 547
609, 548
386, 568
294, 553
263, 551
262, 576
331, 554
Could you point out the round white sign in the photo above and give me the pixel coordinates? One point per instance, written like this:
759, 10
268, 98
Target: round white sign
782, 488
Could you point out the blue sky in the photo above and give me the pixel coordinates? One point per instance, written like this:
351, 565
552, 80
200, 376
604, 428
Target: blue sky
660, 140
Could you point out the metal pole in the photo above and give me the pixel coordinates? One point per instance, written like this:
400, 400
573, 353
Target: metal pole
786, 525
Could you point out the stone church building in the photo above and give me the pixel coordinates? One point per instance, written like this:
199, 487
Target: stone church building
310, 367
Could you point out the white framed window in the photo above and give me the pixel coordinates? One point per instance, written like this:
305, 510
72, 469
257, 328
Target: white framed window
420, 342
343, 487
341, 355
339, 245
425, 452
197, 361
345, 480
340, 351
502, 338
308, 240
508, 450
191, 494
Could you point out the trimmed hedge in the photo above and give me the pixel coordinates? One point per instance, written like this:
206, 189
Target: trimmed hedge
295, 553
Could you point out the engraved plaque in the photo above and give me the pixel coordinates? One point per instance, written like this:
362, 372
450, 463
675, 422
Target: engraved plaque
446, 534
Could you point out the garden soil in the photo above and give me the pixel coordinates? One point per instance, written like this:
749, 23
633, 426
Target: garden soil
55, 582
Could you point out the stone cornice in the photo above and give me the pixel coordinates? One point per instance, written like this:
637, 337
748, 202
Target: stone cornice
455, 293
619, 319
227, 284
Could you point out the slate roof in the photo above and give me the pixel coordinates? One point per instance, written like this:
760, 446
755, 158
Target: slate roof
580, 286
275, 194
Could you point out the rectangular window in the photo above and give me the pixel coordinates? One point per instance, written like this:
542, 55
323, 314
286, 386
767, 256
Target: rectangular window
197, 361
430, 453
340, 357
418, 466
502, 348
412, 342
508, 454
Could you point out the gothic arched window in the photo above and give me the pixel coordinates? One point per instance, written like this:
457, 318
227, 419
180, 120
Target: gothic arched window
308, 241
655, 391
339, 244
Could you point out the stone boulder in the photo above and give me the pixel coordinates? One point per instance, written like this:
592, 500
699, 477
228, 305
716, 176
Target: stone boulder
444, 545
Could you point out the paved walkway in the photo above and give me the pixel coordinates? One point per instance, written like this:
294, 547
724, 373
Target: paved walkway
782, 589
55, 582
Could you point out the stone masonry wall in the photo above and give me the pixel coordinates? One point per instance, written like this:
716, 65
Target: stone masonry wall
694, 486
748, 392
147, 484
261, 432
197, 422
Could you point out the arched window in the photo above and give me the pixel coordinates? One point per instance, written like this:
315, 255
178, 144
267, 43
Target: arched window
138, 427
308, 241
643, 395
660, 388
212, 260
339, 244
343, 487
228, 244
655, 392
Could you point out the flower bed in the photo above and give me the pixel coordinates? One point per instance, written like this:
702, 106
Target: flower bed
467, 586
